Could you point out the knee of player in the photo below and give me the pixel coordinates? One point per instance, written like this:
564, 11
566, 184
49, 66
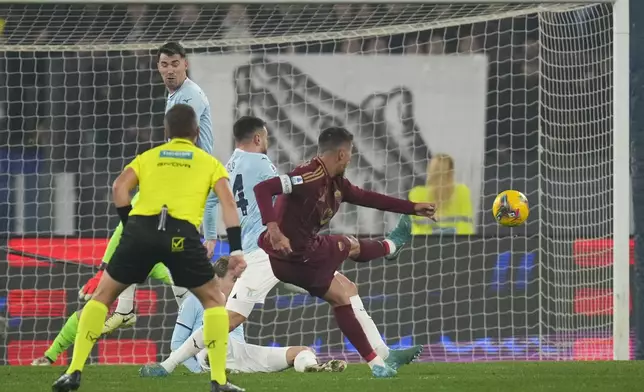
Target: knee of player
212, 298
351, 289
355, 246
301, 357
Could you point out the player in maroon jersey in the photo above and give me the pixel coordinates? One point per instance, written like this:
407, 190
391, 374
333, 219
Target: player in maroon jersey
309, 197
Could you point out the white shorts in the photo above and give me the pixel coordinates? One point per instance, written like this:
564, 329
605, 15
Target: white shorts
254, 285
250, 358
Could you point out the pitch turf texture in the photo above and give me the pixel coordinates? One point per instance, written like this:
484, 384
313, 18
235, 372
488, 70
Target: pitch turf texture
444, 377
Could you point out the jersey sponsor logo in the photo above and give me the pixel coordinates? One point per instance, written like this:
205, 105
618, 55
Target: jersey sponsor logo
174, 164
297, 180
175, 154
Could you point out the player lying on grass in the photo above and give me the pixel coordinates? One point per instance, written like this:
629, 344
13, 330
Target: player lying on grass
309, 197
248, 166
243, 357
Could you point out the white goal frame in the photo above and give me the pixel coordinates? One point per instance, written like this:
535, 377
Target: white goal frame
621, 130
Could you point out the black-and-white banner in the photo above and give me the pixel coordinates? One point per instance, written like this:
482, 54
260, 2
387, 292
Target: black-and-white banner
400, 109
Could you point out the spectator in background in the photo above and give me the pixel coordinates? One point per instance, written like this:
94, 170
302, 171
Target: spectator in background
453, 204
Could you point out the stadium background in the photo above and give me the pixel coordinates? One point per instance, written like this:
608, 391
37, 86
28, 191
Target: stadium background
72, 120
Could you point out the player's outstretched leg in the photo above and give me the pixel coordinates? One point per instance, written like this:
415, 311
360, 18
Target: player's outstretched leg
62, 342
338, 297
90, 326
394, 358
400, 236
123, 316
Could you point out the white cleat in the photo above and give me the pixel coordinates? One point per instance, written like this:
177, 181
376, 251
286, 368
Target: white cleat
42, 361
332, 366
119, 320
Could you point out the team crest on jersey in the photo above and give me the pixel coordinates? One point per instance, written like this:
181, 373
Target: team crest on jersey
273, 168
338, 195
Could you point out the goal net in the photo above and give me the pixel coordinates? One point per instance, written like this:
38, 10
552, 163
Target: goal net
515, 96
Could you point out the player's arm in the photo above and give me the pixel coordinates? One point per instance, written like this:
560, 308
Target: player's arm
221, 186
123, 186
362, 197
300, 182
190, 318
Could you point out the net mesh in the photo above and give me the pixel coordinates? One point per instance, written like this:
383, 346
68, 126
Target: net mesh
518, 95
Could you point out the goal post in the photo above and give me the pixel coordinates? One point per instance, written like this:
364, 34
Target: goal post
526, 95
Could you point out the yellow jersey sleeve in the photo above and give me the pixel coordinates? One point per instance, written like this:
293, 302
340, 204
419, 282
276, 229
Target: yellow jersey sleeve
136, 166
219, 172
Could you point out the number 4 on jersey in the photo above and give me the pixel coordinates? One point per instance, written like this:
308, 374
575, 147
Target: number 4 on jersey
238, 191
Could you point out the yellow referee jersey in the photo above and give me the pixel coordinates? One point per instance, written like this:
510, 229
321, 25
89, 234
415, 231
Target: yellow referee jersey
177, 174
455, 216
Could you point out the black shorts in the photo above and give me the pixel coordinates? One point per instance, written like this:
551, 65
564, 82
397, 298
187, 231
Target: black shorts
179, 247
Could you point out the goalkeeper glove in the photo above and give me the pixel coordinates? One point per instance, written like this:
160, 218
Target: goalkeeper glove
86, 292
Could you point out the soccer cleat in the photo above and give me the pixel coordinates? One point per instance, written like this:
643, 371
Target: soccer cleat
118, 320
332, 366
67, 382
400, 236
397, 358
383, 371
227, 387
153, 370
42, 361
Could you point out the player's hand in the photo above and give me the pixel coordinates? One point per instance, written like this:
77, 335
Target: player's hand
425, 209
210, 247
278, 241
236, 266
86, 292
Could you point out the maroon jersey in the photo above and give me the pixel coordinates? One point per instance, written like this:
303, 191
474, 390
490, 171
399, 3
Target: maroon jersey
309, 199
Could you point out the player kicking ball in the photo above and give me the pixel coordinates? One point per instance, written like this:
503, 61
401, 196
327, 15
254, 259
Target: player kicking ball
248, 166
309, 197
243, 357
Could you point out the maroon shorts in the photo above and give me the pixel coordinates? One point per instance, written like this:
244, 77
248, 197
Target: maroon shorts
314, 270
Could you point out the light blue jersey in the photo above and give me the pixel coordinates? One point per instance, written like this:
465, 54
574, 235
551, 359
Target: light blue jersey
245, 170
190, 93
190, 318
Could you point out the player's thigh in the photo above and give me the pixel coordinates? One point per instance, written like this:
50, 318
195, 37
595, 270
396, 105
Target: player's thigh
254, 284
250, 358
134, 256
326, 256
187, 261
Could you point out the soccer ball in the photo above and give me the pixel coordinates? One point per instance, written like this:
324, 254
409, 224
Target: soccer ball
510, 208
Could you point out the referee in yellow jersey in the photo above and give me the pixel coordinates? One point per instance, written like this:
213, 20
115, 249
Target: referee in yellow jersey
174, 180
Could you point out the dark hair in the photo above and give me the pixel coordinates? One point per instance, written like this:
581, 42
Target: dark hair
221, 266
246, 127
181, 122
333, 138
170, 49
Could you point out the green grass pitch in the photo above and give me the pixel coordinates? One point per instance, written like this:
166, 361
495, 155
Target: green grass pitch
424, 377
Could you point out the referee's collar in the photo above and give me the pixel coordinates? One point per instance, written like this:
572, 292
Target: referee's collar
180, 140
